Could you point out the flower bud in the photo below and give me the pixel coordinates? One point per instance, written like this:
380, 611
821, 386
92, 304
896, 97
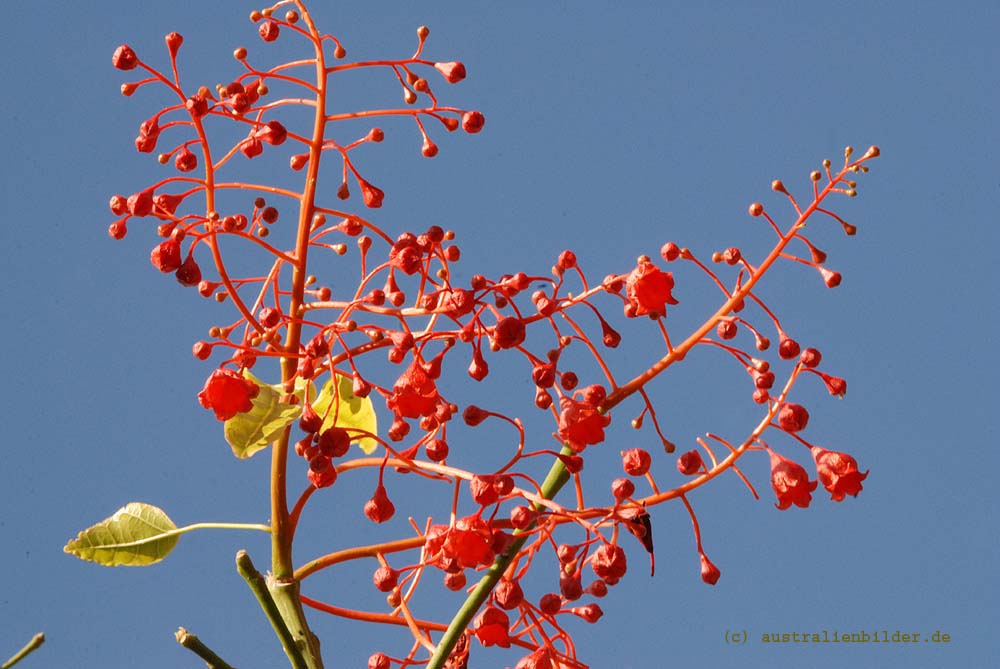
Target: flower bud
690, 463
793, 417
379, 509
636, 461
385, 578
709, 572
124, 58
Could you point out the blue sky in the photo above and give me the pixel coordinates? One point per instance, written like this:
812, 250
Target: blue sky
609, 131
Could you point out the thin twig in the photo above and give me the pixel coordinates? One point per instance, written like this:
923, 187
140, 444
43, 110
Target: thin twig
35, 642
259, 588
195, 645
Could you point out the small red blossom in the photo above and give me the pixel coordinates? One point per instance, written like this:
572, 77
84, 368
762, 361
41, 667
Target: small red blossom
322, 473
609, 563
453, 72
838, 472
540, 659
372, 195
197, 106
690, 463
469, 544
378, 661
252, 148
648, 290
165, 204
269, 30
188, 274
385, 578
492, 627
124, 58
589, 612
509, 332
709, 572
456, 302
580, 424
414, 394
379, 508
166, 256
141, 203
790, 482
622, 489
508, 594
406, 254
793, 417
473, 122
228, 393
185, 160
636, 461
271, 132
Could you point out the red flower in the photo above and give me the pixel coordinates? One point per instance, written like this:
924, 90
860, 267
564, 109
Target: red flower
372, 195
189, 274
709, 572
838, 472
793, 417
648, 290
609, 563
268, 31
492, 627
453, 72
414, 393
405, 254
124, 58
690, 463
540, 659
589, 612
790, 482
636, 461
580, 424
379, 508
469, 544
508, 594
456, 302
509, 332
227, 393
271, 132
473, 122
166, 256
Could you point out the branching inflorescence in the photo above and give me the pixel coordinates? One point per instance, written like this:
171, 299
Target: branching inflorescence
406, 305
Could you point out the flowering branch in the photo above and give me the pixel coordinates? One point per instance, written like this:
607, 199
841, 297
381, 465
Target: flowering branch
401, 300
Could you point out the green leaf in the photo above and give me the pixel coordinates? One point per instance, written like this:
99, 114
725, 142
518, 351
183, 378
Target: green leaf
347, 410
136, 536
254, 430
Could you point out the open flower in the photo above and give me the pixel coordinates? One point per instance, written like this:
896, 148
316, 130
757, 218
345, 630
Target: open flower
414, 394
648, 290
838, 472
227, 393
580, 424
492, 627
790, 482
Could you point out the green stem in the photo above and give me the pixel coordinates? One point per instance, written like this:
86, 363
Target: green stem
35, 642
261, 590
553, 483
195, 645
